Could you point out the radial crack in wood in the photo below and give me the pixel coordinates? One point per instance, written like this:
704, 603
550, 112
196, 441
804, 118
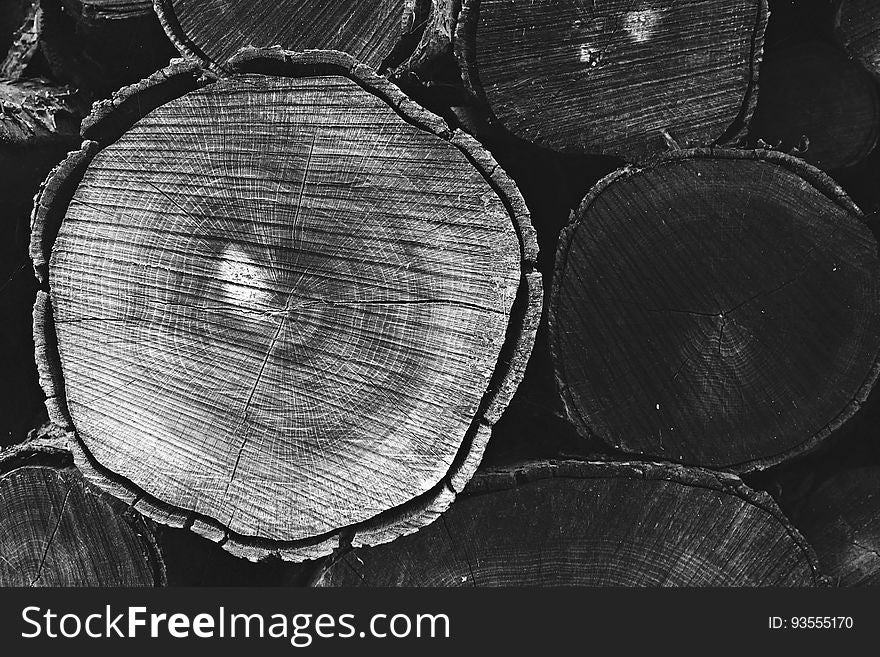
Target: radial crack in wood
59, 530
719, 308
593, 524
285, 306
613, 78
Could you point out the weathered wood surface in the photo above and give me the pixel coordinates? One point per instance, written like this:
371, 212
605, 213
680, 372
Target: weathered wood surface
58, 530
39, 123
718, 308
857, 29
287, 308
593, 524
616, 78
817, 103
841, 520
377, 33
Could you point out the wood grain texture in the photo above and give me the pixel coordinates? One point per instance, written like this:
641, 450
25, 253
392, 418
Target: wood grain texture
58, 530
719, 308
818, 104
841, 520
611, 78
857, 29
593, 524
369, 30
287, 306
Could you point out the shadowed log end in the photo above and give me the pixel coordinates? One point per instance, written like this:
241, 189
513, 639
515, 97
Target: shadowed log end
593, 524
61, 531
719, 308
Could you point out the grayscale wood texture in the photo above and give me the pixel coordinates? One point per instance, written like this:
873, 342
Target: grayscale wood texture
372, 31
615, 78
718, 308
575, 523
59, 530
283, 310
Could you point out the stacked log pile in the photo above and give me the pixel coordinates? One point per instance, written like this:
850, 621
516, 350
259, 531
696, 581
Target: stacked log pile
440, 293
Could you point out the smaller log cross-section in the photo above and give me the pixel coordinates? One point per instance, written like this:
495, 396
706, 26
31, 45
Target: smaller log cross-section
372, 31
719, 308
287, 307
617, 78
56, 529
575, 523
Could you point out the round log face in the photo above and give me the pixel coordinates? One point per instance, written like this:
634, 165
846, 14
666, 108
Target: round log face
58, 532
278, 304
593, 525
721, 311
368, 30
611, 77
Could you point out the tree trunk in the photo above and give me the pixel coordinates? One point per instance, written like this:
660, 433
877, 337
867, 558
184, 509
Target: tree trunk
39, 123
720, 308
582, 523
610, 79
287, 307
378, 33
842, 522
857, 29
58, 530
816, 102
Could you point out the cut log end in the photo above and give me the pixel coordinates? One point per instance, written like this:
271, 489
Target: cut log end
593, 524
611, 78
721, 308
376, 32
324, 295
61, 531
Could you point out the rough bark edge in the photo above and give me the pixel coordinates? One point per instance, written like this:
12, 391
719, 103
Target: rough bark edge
95, 14
56, 191
50, 446
510, 477
738, 131
104, 125
164, 9
25, 45
436, 40
464, 48
820, 181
